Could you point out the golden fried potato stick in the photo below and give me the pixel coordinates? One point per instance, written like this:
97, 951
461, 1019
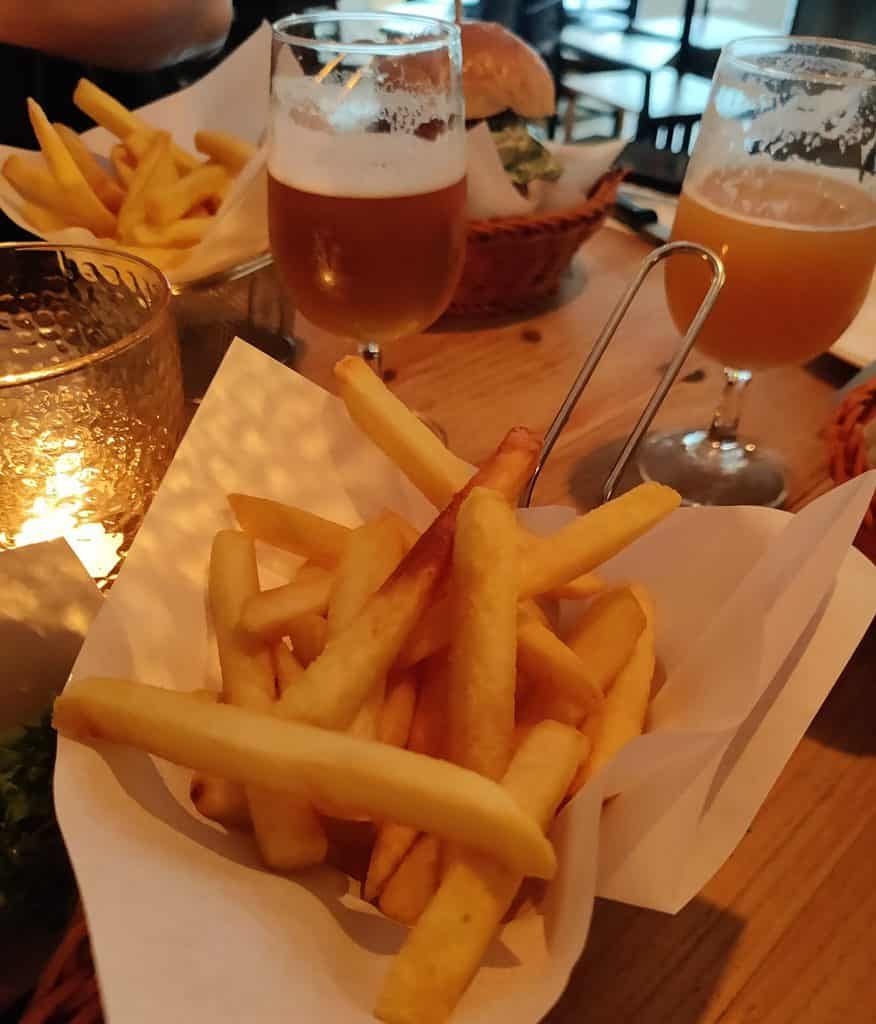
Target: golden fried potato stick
414, 882
32, 180
444, 949
578, 589
427, 463
623, 715
287, 668
121, 163
42, 218
554, 668
76, 196
133, 209
397, 710
226, 149
547, 563
182, 234
335, 685
210, 182
107, 190
372, 555
118, 120
269, 613
291, 529
288, 832
483, 643
307, 635
307, 763
221, 801
591, 539
427, 735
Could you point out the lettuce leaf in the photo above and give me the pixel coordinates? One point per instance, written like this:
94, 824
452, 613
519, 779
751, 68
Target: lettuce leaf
524, 158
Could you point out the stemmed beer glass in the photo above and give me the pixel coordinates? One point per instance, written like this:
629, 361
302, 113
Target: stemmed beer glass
782, 187
367, 171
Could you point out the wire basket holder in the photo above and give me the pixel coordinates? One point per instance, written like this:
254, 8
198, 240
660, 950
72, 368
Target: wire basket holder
604, 340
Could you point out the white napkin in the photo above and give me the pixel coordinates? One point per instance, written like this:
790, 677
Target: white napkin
757, 614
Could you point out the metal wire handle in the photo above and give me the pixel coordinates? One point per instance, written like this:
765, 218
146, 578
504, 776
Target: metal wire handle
602, 343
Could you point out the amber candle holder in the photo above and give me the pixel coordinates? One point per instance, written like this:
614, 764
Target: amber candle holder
91, 401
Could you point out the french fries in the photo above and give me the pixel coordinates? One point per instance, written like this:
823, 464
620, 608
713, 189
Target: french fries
262, 750
450, 771
482, 673
411, 445
336, 684
228, 150
288, 832
151, 198
445, 947
291, 529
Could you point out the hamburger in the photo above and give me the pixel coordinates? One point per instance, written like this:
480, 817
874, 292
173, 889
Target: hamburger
507, 84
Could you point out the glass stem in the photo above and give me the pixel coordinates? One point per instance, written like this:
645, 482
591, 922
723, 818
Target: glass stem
725, 419
372, 353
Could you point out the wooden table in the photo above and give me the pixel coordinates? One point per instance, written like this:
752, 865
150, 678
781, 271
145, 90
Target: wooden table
784, 933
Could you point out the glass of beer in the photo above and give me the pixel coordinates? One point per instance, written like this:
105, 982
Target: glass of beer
781, 186
366, 183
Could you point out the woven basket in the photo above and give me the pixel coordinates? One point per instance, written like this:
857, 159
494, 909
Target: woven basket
67, 990
848, 452
515, 263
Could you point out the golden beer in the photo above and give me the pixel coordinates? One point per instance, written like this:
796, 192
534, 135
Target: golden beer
372, 267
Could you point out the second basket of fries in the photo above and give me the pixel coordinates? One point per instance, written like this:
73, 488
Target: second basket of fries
346, 712
192, 202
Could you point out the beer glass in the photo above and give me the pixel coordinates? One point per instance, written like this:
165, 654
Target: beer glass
366, 165
781, 186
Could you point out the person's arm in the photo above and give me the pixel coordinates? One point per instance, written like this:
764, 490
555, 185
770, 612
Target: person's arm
124, 35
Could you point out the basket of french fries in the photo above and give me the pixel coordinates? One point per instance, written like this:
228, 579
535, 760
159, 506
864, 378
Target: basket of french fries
343, 702
171, 183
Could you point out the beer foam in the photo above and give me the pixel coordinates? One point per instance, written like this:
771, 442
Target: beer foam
321, 143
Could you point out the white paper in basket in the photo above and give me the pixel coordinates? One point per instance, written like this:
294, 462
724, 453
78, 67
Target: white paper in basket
233, 97
183, 922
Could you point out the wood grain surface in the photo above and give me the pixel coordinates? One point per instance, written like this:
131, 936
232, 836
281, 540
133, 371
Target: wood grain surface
786, 931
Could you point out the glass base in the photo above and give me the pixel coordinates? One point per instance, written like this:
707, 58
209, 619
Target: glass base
707, 472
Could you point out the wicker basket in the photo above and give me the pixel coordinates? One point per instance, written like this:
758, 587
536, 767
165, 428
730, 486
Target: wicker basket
67, 990
515, 263
848, 452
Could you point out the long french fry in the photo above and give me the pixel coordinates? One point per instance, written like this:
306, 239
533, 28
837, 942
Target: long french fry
554, 667
210, 182
397, 710
445, 947
622, 717
411, 445
220, 800
107, 190
76, 194
229, 150
268, 614
578, 589
591, 539
414, 882
118, 120
43, 219
258, 749
334, 686
122, 165
287, 668
372, 555
307, 635
288, 832
181, 234
427, 735
133, 209
483, 641
291, 529
604, 639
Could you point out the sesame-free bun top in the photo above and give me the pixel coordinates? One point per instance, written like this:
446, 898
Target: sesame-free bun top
500, 72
